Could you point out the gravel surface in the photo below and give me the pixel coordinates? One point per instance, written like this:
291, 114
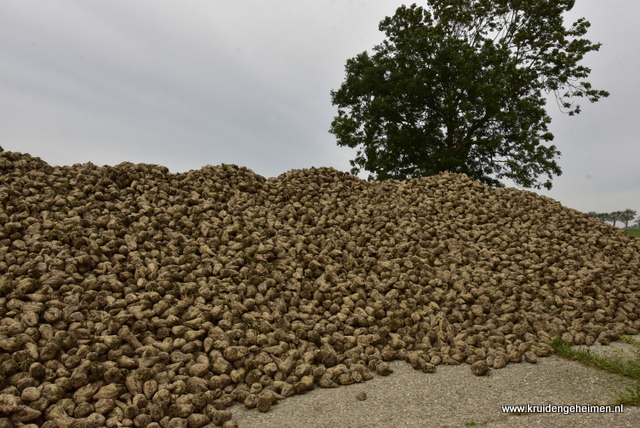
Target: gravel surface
454, 397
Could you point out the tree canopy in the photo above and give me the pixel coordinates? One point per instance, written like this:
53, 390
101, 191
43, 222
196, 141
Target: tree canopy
461, 86
624, 216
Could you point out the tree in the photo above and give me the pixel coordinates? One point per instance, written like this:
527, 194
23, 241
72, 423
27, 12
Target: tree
614, 217
626, 216
460, 87
606, 217
600, 216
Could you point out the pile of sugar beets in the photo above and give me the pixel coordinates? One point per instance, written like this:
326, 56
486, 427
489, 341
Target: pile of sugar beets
131, 296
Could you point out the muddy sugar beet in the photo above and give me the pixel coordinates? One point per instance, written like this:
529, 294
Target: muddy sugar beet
131, 296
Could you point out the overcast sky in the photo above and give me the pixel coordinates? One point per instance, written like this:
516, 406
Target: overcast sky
190, 83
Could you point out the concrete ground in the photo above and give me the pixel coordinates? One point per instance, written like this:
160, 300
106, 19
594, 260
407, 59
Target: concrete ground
454, 397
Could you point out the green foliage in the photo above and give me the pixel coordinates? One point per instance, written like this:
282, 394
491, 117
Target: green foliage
614, 363
599, 216
614, 217
630, 396
624, 216
627, 215
460, 87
